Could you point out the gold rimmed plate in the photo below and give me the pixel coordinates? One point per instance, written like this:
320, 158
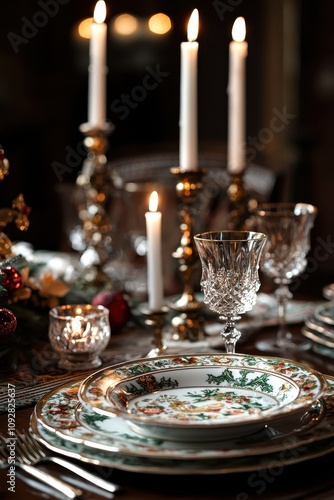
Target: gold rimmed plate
55, 425
60, 413
203, 397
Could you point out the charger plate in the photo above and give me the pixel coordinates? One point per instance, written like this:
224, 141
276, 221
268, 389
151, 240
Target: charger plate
297, 447
60, 413
201, 397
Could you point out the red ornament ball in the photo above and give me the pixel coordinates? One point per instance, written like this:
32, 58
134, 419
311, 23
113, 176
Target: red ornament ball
10, 278
8, 322
118, 307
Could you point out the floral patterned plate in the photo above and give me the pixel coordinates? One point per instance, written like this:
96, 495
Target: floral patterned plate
201, 397
320, 441
60, 413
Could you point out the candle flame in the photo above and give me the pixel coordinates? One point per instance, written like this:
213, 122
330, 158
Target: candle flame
100, 12
153, 205
239, 30
76, 325
193, 26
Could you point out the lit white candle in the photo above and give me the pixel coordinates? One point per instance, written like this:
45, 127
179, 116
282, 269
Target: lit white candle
97, 68
188, 98
237, 99
154, 257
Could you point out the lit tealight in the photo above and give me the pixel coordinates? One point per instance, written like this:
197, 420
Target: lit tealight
79, 333
76, 326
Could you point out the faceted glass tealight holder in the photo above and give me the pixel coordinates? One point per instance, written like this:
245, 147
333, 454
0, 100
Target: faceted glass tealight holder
79, 333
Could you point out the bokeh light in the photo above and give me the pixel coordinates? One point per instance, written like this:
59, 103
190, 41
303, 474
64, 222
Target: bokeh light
159, 24
84, 27
125, 24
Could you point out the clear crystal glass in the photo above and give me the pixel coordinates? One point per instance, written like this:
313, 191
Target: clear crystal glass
230, 279
79, 333
287, 226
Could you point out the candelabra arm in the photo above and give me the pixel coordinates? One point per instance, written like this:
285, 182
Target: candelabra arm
188, 323
155, 321
95, 182
241, 203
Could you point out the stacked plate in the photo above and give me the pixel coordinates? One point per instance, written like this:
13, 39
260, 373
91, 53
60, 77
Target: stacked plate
187, 414
328, 291
319, 327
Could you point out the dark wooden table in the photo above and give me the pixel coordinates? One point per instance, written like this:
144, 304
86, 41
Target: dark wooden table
311, 479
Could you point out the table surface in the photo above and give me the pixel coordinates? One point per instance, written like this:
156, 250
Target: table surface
310, 479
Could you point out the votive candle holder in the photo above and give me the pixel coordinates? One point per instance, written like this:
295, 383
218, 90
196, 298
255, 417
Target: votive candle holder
78, 333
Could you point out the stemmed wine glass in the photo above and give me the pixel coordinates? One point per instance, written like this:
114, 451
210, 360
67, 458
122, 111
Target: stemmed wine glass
230, 262
287, 226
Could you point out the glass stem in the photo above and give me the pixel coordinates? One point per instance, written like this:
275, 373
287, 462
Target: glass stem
230, 335
283, 295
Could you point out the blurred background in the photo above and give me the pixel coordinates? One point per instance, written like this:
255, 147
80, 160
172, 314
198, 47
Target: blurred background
44, 59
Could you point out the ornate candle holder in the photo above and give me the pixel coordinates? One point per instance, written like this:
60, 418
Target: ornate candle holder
240, 202
95, 182
18, 213
155, 320
187, 325
79, 333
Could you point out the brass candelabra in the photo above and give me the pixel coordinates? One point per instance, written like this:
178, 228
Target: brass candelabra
155, 321
95, 182
187, 323
241, 203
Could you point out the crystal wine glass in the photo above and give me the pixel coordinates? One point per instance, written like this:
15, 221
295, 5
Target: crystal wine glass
230, 262
287, 226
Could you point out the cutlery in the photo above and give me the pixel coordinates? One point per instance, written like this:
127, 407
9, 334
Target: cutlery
11, 458
35, 453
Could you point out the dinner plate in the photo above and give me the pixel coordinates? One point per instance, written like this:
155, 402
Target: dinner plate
321, 442
328, 291
317, 337
325, 313
60, 413
313, 323
201, 397
266, 309
323, 350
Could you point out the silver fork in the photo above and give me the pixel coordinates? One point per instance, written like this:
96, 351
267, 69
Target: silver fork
10, 457
34, 453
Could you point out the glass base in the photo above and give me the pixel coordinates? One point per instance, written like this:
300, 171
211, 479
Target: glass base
80, 361
283, 346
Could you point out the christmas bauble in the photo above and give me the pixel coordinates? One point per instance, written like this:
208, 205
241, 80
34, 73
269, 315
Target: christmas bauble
118, 307
10, 278
8, 322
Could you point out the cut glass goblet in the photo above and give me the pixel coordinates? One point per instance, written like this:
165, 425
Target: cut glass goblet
230, 279
287, 226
